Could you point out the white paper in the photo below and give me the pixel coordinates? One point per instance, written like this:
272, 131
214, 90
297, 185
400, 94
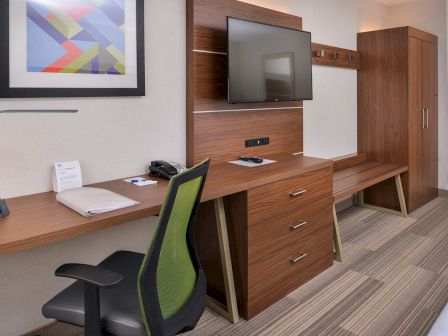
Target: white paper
67, 175
93, 201
252, 164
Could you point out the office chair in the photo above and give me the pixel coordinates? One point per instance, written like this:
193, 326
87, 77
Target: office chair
131, 294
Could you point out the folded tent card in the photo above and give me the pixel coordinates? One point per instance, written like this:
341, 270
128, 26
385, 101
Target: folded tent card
67, 175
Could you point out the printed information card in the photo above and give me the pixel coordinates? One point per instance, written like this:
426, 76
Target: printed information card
67, 175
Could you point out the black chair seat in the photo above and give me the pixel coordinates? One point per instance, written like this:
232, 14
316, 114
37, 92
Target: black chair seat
120, 310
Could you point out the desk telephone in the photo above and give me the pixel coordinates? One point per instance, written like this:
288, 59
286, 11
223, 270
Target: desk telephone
4, 211
165, 169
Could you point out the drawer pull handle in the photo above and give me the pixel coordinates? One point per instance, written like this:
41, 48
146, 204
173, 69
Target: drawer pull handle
295, 227
298, 193
302, 256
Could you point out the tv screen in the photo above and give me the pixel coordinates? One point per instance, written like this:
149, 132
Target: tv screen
268, 63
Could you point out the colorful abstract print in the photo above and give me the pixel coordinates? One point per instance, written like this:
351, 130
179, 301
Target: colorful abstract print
76, 36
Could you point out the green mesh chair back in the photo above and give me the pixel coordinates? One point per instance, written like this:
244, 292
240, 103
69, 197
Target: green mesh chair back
171, 282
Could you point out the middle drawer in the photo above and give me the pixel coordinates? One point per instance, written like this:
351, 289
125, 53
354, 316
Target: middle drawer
270, 236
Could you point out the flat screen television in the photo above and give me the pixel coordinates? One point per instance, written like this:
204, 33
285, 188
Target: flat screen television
267, 63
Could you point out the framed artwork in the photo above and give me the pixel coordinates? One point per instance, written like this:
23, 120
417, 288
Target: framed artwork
71, 48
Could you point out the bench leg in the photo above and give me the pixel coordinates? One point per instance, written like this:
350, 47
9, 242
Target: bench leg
403, 210
337, 236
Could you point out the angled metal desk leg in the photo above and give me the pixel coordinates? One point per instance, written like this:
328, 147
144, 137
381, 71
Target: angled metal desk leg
403, 210
230, 311
337, 236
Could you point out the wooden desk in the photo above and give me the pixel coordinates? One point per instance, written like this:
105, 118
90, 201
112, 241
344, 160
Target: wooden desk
39, 220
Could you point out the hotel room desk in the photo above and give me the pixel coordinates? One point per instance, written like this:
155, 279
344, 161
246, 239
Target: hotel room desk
38, 220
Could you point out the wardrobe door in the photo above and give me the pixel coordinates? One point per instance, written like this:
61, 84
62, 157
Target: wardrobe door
417, 120
430, 132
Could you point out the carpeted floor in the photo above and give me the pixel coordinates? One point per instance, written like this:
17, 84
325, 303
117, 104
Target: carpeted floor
394, 281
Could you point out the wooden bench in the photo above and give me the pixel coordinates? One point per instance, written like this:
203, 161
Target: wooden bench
355, 173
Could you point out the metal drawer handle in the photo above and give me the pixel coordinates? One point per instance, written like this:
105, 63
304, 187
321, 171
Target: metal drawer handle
295, 227
298, 193
293, 261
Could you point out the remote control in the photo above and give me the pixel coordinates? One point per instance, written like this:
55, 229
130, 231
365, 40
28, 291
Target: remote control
253, 159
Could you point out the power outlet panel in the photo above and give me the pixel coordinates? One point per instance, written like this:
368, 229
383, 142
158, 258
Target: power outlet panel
257, 142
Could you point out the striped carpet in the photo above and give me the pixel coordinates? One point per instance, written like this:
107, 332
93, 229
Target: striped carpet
394, 281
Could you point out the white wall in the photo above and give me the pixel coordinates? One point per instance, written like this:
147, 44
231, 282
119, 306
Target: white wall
430, 16
330, 120
112, 138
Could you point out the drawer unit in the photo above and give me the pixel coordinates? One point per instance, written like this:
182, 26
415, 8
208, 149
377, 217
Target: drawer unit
280, 235
289, 227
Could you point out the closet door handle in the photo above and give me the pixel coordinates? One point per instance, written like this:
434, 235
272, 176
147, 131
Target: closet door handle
424, 117
427, 117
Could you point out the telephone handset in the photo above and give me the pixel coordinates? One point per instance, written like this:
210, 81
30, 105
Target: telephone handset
165, 169
4, 211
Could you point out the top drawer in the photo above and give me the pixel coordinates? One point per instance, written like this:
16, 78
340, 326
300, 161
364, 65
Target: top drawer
280, 198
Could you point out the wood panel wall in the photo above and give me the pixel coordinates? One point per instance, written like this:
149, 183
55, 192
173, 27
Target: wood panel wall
213, 131
382, 106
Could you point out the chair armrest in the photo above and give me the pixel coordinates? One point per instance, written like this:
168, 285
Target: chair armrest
94, 275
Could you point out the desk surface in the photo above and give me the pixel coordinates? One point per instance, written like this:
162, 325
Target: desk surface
38, 220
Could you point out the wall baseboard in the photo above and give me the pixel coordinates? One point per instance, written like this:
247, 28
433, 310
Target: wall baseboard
32, 331
443, 193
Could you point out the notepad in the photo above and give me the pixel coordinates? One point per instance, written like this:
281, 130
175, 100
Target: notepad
93, 201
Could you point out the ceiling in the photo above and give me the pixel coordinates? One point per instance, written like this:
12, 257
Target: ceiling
394, 2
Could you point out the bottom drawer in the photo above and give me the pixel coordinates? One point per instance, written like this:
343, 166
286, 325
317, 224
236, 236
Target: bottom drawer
281, 289
293, 259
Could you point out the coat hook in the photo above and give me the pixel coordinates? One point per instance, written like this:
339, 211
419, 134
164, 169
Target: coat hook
319, 54
335, 57
349, 59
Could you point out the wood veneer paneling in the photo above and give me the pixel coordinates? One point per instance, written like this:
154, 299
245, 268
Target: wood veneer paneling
347, 161
430, 136
221, 136
210, 21
207, 88
382, 106
391, 86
